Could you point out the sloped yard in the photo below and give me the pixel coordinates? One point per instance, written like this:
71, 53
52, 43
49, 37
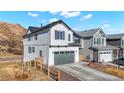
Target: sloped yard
9, 70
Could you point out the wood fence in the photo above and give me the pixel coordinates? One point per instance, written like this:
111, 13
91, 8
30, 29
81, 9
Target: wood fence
50, 71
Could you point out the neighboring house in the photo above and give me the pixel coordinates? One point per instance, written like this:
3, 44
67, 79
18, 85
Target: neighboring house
118, 41
54, 42
93, 45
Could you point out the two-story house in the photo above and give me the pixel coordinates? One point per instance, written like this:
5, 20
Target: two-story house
93, 45
118, 41
54, 42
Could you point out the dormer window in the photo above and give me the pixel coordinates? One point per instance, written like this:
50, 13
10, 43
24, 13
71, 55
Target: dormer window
59, 35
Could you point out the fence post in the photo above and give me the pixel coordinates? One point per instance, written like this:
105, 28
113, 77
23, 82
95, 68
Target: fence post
35, 64
58, 75
41, 66
29, 66
48, 72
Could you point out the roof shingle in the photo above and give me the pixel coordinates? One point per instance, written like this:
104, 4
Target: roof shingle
88, 33
115, 36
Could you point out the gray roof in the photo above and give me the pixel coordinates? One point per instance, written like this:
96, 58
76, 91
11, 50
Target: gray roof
33, 29
37, 29
87, 33
115, 36
107, 47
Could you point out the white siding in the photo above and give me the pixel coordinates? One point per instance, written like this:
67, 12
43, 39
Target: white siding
32, 56
60, 27
42, 39
101, 36
82, 43
87, 42
41, 43
48, 38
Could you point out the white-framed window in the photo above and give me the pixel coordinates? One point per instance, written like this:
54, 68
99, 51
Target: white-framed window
29, 49
103, 41
77, 40
35, 37
40, 53
99, 41
33, 49
59, 35
69, 37
95, 41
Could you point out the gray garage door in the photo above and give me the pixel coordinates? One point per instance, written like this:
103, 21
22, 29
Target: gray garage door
63, 57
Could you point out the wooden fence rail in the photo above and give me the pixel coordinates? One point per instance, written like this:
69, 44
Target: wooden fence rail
55, 73
50, 71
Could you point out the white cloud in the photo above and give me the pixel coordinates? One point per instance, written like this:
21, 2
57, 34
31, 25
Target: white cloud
86, 17
68, 14
33, 14
115, 30
54, 12
43, 21
76, 29
106, 26
53, 20
109, 29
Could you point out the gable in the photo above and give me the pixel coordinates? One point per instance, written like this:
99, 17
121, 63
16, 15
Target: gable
32, 30
28, 31
61, 27
99, 33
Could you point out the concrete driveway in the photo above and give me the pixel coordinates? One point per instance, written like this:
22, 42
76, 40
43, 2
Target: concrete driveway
85, 73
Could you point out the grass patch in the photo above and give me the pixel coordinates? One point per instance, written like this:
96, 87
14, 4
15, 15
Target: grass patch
9, 70
115, 72
7, 55
109, 69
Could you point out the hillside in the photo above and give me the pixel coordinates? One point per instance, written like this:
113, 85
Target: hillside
11, 40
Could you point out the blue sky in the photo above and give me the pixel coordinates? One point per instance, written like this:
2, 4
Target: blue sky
110, 21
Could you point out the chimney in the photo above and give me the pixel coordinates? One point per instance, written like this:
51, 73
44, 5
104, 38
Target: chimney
41, 25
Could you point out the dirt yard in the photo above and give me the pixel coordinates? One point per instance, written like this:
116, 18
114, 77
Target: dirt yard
9, 70
109, 69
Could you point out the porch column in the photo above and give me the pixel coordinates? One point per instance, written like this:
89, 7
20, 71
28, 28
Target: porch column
98, 56
123, 53
117, 53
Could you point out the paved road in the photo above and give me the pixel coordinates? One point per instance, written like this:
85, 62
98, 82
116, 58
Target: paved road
86, 74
